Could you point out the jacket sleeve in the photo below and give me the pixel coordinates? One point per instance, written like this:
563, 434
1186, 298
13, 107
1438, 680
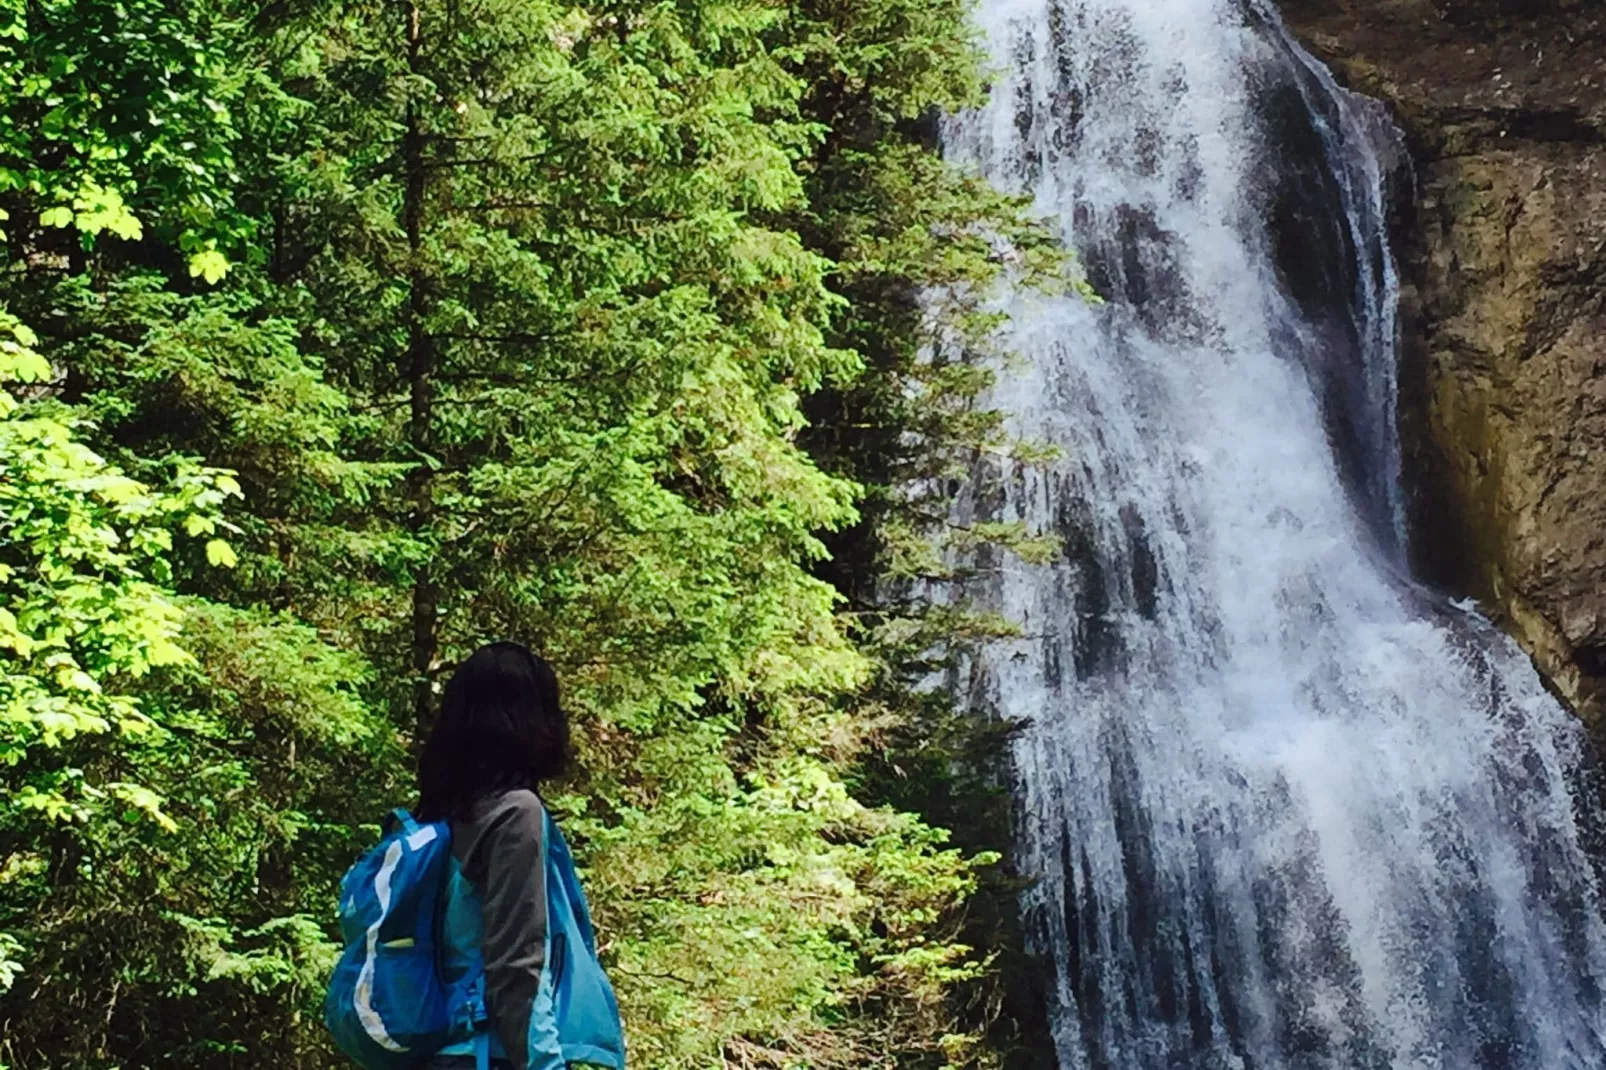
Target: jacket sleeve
505, 858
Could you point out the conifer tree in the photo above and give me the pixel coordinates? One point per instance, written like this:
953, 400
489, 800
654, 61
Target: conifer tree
510, 318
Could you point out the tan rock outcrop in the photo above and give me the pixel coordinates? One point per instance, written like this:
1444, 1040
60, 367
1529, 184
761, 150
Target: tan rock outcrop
1503, 249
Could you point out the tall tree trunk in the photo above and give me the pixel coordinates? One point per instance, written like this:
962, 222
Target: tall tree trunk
420, 377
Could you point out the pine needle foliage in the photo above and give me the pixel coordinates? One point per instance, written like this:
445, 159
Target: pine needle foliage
363, 333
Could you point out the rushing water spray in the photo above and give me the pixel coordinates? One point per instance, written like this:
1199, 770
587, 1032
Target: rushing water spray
1287, 811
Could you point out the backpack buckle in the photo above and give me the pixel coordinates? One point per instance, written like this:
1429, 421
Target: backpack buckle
476, 1012
479, 1019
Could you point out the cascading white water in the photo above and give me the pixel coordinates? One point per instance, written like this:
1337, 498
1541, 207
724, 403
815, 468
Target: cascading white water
1287, 810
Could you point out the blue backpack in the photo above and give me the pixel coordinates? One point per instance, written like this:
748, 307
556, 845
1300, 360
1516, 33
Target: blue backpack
585, 1013
410, 919
387, 1006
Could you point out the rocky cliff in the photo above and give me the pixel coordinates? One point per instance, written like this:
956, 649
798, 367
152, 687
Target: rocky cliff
1503, 247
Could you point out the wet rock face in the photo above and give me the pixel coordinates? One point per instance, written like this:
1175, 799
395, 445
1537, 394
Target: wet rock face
1503, 248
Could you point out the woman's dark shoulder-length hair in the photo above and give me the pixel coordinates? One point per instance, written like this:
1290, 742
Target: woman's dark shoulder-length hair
500, 727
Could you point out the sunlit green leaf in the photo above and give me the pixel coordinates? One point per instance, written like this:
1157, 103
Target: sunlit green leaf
220, 554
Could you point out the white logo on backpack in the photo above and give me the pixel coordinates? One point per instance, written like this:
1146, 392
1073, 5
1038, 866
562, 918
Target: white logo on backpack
372, 1024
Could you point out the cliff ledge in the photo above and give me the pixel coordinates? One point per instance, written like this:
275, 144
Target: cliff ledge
1503, 255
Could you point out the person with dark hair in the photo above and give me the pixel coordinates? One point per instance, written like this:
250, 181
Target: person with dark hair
501, 728
513, 905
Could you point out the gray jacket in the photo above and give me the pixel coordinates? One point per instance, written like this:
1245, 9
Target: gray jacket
502, 851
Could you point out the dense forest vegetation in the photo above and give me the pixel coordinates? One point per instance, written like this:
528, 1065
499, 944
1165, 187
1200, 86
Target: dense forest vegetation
340, 336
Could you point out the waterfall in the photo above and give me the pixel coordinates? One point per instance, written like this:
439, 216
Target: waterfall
1285, 810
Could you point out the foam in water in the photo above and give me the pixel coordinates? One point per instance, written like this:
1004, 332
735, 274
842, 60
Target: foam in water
1288, 811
